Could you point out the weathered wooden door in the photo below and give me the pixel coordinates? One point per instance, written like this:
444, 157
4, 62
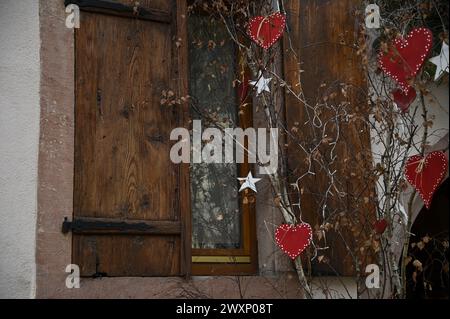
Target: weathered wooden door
129, 217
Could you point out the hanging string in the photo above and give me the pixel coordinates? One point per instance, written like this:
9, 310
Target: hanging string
259, 30
421, 165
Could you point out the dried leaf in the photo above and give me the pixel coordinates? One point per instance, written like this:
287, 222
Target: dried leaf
408, 260
420, 245
417, 264
426, 239
445, 267
319, 235
277, 201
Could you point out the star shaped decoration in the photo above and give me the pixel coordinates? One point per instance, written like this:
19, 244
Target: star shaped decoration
262, 84
441, 61
248, 182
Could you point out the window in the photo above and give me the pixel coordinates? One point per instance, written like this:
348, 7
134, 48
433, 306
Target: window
135, 212
223, 227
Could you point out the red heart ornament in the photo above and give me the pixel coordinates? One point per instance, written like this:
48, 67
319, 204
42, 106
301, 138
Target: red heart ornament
404, 100
426, 174
380, 226
293, 239
265, 31
406, 56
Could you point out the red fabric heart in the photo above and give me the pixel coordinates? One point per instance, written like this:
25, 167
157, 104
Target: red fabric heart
265, 31
426, 174
403, 100
406, 56
380, 226
293, 239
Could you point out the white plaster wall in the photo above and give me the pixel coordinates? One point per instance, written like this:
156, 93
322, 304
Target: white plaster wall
19, 137
438, 111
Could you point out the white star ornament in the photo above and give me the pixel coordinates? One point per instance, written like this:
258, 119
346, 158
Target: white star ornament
262, 84
441, 62
248, 182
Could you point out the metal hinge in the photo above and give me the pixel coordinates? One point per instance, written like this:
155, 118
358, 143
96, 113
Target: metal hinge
98, 226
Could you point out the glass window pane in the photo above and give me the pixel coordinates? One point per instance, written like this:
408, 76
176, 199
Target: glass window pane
214, 187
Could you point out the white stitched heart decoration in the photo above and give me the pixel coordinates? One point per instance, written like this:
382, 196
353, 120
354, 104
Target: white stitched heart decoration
293, 239
406, 56
265, 31
425, 174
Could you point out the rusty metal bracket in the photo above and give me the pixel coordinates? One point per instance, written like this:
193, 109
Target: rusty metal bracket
120, 9
81, 225
98, 226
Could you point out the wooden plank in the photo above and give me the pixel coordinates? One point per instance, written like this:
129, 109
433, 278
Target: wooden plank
180, 74
322, 44
123, 256
121, 170
122, 10
221, 259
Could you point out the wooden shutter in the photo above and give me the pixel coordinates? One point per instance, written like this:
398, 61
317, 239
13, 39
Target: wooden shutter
131, 203
323, 35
